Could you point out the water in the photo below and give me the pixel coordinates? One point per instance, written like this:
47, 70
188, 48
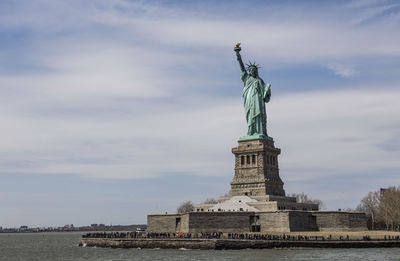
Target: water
64, 246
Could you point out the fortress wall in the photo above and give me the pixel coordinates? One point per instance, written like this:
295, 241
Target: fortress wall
264, 206
282, 198
162, 223
358, 221
340, 221
297, 206
184, 226
274, 222
239, 222
228, 222
302, 221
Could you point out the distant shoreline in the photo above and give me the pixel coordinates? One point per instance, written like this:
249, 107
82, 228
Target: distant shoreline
91, 228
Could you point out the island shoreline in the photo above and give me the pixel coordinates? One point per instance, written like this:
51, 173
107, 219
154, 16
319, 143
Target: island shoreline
221, 244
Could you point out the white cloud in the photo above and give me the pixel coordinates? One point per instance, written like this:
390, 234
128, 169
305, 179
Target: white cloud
342, 69
337, 132
321, 133
122, 90
372, 12
364, 3
291, 42
318, 37
106, 106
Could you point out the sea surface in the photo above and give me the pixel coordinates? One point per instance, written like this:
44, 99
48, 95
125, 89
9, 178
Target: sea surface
64, 246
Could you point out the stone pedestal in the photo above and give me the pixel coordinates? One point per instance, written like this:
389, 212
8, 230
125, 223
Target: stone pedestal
256, 169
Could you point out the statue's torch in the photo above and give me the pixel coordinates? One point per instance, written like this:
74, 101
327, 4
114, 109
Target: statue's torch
237, 48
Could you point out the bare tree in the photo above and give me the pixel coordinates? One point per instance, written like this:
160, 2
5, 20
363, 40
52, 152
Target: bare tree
304, 198
370, 205
382, 208
186, 206
396, 209
210, 201
389, 207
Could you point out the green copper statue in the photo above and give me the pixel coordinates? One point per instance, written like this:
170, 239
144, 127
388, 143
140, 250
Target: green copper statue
255, 94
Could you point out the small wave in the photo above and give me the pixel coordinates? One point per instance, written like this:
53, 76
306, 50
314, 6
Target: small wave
182, 248
84, 245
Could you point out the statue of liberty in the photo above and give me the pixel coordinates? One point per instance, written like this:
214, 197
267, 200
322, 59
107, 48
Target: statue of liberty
255, 94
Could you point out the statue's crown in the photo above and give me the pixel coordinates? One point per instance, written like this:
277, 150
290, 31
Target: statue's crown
254, 65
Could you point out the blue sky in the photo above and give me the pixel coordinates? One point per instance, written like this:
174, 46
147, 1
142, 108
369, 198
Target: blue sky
114, 109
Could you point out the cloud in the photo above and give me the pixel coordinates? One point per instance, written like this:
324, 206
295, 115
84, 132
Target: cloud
291, 42
321, 37
342, 70
337, 133
128, 91
127, 103
321, 133
364, 3
373, 12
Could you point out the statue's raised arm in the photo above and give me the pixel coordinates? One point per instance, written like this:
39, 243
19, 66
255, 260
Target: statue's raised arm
239, 58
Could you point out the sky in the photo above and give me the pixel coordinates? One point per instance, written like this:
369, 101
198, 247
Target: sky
114, 109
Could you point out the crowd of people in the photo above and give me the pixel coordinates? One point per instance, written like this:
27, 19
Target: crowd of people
112, 235
220, 235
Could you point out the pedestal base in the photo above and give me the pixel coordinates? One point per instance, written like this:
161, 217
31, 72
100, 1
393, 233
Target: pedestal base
256, 168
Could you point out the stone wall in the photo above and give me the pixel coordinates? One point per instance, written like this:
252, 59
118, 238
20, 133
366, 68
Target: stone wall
287, 221
358, 221
282, 205
302, 221
184, 223
265, 206
228, 244
149, 243
242, 222
162, 223
228, 222
340, 221
274, 221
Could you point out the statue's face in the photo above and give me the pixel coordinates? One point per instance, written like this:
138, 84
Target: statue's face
253, 71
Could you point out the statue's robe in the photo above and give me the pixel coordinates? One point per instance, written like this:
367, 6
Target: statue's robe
255, 94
